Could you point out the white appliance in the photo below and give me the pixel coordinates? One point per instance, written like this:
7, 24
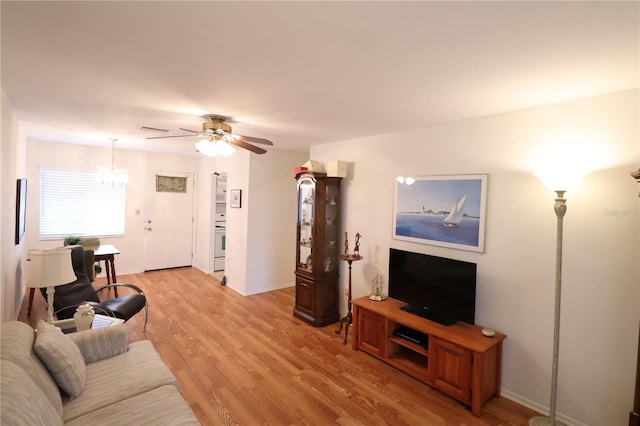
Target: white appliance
219, 245
220, 222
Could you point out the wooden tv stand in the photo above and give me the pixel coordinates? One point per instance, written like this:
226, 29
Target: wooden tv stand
457, 359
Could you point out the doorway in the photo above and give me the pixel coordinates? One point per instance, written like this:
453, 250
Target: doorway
219, 225
168, 220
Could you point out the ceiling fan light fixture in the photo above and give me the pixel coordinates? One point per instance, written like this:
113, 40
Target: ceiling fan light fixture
215, 147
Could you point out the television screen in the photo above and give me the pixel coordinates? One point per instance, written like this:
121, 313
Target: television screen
437, 288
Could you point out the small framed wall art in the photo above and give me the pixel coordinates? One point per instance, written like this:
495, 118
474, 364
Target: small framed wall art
447, 211
236, 198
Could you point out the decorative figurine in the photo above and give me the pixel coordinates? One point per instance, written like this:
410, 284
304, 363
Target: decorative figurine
376, 288
84, 317
356, 250
346, 243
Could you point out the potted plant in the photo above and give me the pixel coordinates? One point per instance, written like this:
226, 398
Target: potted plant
72, 240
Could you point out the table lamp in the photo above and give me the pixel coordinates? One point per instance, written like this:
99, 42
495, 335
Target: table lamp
49, 268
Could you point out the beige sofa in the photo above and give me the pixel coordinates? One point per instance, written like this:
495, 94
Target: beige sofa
112, 382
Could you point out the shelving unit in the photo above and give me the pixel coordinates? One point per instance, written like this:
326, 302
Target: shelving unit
457, 360
410, 358
317, 297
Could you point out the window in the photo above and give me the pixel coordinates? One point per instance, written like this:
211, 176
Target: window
77, 203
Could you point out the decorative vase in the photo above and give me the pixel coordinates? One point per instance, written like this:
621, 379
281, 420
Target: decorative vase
84, 317
376, 288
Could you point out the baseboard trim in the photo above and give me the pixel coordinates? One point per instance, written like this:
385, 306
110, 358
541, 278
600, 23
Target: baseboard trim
543, 410
268, 289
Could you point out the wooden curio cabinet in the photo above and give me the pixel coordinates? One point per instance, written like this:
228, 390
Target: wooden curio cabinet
317, 242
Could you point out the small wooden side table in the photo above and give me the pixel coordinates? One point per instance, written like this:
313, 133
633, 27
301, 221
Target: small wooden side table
349, 258
107, 253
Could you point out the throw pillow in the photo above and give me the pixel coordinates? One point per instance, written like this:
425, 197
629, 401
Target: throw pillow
62, 358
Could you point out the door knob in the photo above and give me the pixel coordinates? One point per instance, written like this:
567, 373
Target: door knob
149, 221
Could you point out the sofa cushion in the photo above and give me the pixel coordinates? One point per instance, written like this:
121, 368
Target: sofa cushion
101, 343
62, 358
124, 376
23, 401
16, 345
161, 406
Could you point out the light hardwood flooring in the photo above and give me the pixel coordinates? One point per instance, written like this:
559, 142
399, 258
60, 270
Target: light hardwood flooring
248, 361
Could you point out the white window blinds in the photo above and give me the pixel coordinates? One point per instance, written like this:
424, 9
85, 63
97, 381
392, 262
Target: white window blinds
77, 203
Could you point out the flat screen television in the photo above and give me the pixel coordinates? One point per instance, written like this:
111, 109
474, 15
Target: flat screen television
440, 289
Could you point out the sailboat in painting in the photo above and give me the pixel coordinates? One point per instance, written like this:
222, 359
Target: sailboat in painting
455, 216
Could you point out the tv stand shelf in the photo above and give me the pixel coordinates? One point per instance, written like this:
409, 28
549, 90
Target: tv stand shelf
458, 360
410, 345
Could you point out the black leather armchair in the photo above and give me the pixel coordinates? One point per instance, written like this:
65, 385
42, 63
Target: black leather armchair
68, 296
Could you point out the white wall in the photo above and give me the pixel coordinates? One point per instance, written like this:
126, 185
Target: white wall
516, 273
12, 264
260, 253
236, 263
272, 221
77, 157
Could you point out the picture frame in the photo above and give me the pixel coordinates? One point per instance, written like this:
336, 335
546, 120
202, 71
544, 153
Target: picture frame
236, 198
445, 210
21, 209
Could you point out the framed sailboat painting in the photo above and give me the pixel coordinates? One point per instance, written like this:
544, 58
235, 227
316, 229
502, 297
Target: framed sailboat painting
447, 211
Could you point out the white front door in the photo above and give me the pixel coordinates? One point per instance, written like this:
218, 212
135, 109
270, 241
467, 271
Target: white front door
168, 220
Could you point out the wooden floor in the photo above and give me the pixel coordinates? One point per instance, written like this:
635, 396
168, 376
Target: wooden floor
248, 361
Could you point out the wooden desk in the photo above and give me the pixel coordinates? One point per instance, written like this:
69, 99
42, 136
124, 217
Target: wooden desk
107, 253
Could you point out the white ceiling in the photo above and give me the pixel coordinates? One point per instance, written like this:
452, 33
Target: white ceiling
302, 73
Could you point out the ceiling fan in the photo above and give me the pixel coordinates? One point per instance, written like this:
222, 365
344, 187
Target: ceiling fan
215, 131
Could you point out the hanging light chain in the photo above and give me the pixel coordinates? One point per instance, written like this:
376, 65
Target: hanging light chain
113, 152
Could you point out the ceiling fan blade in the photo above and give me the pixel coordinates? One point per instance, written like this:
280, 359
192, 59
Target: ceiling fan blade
175, 136
187, 130
242, 144
256, 140
153, 129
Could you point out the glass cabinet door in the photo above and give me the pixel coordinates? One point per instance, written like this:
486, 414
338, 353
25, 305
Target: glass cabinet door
306, 219
331, 237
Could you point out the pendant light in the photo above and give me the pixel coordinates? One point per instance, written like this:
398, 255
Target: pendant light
113, 176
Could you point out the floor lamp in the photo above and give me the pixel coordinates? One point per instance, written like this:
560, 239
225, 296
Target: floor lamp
553, 181
49, 268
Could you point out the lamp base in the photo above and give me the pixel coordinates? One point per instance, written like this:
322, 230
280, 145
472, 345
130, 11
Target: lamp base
50, 293
543, 421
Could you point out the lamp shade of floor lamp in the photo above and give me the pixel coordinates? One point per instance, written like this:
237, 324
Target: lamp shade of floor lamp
49, 268
559, 182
